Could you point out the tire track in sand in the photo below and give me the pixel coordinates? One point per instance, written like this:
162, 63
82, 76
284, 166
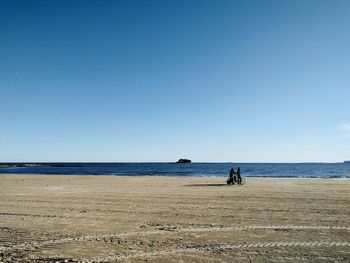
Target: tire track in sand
164, 230
221, 248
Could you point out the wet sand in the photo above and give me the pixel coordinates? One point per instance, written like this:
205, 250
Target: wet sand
165, 219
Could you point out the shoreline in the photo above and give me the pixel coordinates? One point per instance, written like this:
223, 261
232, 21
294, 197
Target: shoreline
176, 176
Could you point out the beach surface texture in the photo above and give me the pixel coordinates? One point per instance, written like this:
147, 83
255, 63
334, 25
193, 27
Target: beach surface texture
172, 219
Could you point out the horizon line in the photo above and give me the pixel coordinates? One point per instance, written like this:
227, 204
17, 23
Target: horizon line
245, 162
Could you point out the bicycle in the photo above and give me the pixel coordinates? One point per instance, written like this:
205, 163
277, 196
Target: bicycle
232, 181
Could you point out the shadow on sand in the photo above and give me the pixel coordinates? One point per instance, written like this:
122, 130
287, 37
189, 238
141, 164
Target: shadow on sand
206, 185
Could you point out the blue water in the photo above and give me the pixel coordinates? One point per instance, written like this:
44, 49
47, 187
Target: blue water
290, 170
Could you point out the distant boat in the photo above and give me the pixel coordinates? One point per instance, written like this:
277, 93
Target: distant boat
183, 161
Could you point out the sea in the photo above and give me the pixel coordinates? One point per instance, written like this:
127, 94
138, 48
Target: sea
272, 170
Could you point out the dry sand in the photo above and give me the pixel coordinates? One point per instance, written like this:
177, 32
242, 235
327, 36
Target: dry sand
164, 219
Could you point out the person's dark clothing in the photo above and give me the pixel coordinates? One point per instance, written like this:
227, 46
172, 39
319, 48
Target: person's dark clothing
232, 171
231, 178
239, 178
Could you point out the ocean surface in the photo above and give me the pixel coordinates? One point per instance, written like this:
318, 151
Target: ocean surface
274, 170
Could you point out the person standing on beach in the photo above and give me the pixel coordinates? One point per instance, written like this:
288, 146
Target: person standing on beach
239, 178
231, 179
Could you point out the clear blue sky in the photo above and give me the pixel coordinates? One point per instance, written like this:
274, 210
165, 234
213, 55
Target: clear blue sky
240, 81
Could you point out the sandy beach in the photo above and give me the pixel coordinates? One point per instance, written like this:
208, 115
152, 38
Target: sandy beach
165, 219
